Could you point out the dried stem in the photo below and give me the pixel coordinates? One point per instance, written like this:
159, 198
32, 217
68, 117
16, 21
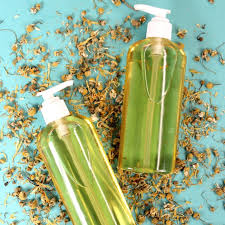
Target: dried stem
128, 5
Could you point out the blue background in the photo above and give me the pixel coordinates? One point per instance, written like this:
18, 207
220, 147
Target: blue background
185, 15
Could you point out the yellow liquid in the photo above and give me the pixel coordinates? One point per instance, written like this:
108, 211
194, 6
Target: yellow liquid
82, 174
152, 102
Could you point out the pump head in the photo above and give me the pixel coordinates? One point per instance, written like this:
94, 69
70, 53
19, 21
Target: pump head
53, 108
159, 26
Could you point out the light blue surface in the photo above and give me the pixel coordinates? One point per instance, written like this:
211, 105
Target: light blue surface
185, 15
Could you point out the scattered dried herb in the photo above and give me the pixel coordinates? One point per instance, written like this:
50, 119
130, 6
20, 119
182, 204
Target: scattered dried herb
98, 70
101, 11
197, 58
35, 8
116, 2
3, 158
200, 36
181, 33
193, 71
210, 85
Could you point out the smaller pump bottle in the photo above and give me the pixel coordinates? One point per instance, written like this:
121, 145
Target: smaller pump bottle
79, 166
152, 101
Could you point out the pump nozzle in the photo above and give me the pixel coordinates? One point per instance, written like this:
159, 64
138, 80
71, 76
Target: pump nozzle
159, 26
53, 108
152, 10
50, 92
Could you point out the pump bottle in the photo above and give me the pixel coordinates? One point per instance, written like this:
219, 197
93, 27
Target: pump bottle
152, 101
79, 166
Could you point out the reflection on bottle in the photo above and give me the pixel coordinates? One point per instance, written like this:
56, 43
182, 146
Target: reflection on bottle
79, 166
152, 99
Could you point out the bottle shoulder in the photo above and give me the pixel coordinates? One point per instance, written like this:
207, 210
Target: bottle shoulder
154, 41
79, 120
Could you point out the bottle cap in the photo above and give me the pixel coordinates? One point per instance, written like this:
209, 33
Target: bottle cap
54, 108
159, 26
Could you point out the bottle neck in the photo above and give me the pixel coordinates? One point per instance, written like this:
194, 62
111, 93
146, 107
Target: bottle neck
61, 128
54, 110
159, 27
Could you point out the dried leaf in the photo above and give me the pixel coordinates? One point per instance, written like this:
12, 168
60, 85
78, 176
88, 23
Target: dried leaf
4, 159
18, 146
208, 152
5, 201
1, 134
12, 216
195, 71
55, 64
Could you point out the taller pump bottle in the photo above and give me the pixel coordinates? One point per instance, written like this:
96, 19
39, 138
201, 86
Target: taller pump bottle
79, 166
152, 101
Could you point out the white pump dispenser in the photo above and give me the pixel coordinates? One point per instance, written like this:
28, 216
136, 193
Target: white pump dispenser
159, 26
54, 108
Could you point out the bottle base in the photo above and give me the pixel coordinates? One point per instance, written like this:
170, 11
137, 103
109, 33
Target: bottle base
145, 170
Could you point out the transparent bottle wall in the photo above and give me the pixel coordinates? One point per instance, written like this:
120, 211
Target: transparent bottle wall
151, 111
82, 174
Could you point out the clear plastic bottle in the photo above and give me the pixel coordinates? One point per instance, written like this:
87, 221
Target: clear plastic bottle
152, 100
79, 167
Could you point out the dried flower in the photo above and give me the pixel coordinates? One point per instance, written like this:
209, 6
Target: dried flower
36, 8
22, 195
116, 2
32, 111
200, 37
88, 38
210, 85
197, 58
101, 11
30, 28
181, 33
